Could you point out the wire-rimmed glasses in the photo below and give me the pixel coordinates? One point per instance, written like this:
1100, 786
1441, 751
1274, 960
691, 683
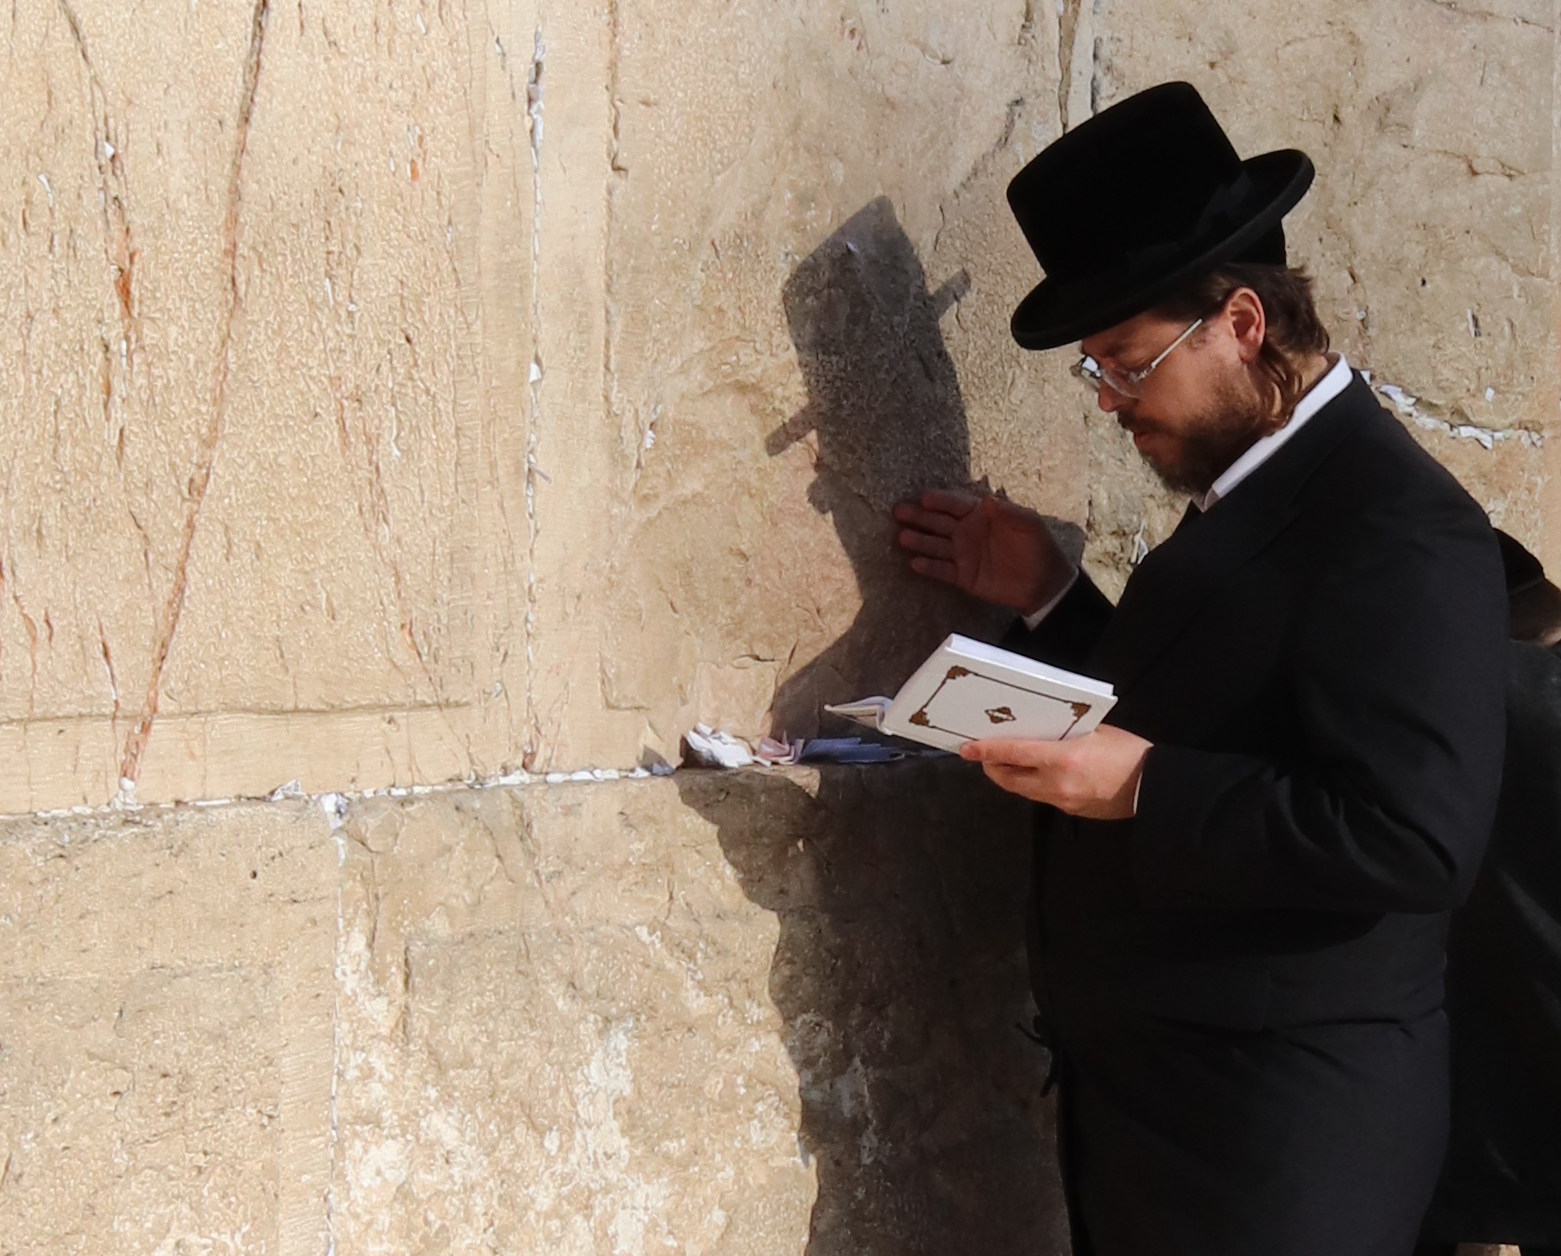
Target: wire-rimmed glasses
1125, 383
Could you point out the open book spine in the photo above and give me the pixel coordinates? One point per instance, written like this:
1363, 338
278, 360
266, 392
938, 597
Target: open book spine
869, 712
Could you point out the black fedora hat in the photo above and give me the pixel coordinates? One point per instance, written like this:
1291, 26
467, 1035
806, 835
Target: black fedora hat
1137, 201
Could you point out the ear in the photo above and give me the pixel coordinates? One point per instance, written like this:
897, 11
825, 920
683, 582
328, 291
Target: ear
1244, 312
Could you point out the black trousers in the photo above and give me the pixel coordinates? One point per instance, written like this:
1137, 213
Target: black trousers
1219, 1143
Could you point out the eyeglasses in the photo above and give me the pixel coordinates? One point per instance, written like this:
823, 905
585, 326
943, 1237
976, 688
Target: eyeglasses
1127, 383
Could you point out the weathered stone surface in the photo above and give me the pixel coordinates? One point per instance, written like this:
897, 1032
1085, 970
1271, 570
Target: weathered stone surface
739, 1013
265, 510
404, 395
166, 1032
141, 1113
407, 392
808, 312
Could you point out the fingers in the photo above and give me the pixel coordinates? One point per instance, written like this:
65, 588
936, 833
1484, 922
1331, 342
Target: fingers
938, 569
1026, 783
1014, 780
1095, 776
1037, 784
944, 503
935, 522
922, 543
1018, 754
950, 502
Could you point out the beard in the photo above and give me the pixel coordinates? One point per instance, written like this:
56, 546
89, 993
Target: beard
1236, 419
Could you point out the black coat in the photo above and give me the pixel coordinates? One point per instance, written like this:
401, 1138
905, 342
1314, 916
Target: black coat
1243, 984
1502, 1179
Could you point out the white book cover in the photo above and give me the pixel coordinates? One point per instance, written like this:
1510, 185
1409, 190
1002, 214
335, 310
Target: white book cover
968, 690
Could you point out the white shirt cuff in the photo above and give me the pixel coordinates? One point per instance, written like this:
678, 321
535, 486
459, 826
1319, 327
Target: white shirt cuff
1032, 622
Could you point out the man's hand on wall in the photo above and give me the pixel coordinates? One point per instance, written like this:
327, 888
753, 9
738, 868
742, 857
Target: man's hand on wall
1095, 776
990, 548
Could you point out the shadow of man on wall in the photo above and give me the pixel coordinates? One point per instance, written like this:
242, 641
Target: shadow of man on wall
887, 420
899, 975
899, 970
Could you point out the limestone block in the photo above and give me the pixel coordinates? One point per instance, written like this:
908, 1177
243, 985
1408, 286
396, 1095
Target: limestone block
809, 276
732, 1013
116, 264
141, 1113
272, 279
165, 1032
898, 975
360, 535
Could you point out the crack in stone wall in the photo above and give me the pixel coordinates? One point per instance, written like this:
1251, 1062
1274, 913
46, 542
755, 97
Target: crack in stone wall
531, 751
1078, 61
1067, 28
119, 241
206, 452
1427, 417
1517, 19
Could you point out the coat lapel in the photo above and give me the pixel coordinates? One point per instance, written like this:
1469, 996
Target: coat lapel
1178, 577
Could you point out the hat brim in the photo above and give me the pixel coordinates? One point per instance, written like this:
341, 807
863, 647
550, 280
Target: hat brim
1057, 312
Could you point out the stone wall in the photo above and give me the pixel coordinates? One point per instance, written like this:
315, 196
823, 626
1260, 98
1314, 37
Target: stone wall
741, 1013
402, 393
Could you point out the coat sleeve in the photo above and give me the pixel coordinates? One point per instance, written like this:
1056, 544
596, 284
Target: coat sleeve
1398, 690
1067, 635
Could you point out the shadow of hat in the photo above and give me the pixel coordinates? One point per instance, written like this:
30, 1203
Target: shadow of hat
883, 395
1137, 201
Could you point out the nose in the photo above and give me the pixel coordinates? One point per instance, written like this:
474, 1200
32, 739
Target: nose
1109, 399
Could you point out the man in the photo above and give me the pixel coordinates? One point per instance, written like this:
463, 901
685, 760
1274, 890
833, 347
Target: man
1242, 882
1502, 1179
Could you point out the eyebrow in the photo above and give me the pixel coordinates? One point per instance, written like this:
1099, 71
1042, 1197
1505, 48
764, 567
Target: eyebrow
1109, 350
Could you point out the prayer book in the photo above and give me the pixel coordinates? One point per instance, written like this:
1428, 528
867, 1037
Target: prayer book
968, 690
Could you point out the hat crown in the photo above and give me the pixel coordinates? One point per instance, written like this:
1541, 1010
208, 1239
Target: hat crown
1138, 175
1138, 201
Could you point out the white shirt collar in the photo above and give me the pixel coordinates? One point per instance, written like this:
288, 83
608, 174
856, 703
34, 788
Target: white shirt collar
1335, 381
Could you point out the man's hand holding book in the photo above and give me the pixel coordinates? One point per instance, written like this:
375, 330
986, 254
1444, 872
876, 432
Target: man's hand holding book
1004, 554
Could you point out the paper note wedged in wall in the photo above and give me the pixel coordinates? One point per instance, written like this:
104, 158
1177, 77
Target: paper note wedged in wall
968, 690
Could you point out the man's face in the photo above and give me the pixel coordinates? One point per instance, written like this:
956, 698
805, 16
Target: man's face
1200, 409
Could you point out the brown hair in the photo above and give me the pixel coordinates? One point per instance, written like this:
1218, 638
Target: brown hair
1293, 332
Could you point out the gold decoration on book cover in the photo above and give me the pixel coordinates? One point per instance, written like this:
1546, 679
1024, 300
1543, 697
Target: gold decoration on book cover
997, 715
